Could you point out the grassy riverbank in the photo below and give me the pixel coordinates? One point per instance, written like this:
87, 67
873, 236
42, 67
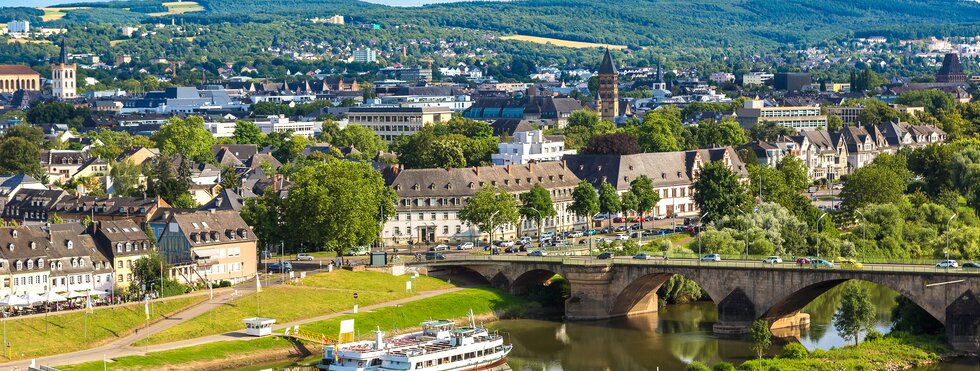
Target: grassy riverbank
316, 295
68, 332
230, 354
897, 351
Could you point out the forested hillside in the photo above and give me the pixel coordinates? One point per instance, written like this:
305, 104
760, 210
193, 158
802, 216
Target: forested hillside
661, 24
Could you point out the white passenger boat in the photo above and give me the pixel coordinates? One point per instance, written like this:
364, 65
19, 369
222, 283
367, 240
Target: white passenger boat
440, 346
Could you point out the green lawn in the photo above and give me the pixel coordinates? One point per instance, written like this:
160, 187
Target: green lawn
454, 305
67, 332
896, 352
318, 295
447, 306
182, 356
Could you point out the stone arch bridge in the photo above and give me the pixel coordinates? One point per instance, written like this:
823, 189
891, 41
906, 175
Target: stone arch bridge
743, 291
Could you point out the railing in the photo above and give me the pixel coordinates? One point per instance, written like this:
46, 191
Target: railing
691, 262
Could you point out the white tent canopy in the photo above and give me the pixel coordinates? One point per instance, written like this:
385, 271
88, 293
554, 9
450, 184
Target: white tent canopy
53, 297
32, 298
77, 294
13, 301
83, 294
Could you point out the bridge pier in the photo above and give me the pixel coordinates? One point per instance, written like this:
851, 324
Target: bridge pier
963, 323
590, 293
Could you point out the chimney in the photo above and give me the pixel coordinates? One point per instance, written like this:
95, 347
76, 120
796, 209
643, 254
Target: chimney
508, 169
564, 165
530, 167
477, 168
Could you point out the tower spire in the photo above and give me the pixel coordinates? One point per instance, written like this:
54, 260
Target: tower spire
64, 52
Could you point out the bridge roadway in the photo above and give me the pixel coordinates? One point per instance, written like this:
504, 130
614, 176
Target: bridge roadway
743, 290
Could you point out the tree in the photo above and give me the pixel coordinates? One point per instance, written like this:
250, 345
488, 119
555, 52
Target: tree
585, 201
872, 184
29, 133
148, 276
856, 312
187, 137
58, 113
328, 130
286, 146
126, 179
537, 205
965, 168
646, 197
362, 138
660, 131
934, 101
608, 199
264, 215
336, 205
761, 337
834, 123
489, 209
717, 191
20, 156
246, 132
612, 144
769, 131
166, 181
628, 203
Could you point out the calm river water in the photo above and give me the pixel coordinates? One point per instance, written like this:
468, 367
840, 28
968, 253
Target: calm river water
670, 339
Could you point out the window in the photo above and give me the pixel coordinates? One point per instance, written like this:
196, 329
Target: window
20, 265
445, 216
445, 229
119, 248
397, 231
129, 277
421, 216
121, 278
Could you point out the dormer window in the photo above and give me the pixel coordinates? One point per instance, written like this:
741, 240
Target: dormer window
129, 246
241, 232
20, 265
194, 237
119, 247
13, 233
10, 247
74, 264
204, 237
144, 245
33, 245
40, 263
214, 236
30, 264
69, 244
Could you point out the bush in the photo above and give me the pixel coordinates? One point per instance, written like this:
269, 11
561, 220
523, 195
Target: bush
723, 366
696, 366
794, 351
873, 335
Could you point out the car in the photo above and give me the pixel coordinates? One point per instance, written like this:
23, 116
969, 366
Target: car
773, 260
820, 263
605, 255
642, 256
563, 243
622, 237
803, 261
524, 240
591, 232
947, 264
537, 253
280, 267
634, 227
606, 230
649, 218
358, 251
510, 250
547, 235
302, 257
494, 251
660, 217
621, 228
618, 219
680, 228
971, 265
464, 246
850, 263
711, 258
439, 247
505, 243
575, 234
432, 255
521, 248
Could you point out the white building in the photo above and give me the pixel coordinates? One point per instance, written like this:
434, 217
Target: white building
722, 77
529, 146
18, 26
221, 129
281, 123
455, 103
756, 78
366, 55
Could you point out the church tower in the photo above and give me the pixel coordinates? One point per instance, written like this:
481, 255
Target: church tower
608, 89
63, 76
659, 84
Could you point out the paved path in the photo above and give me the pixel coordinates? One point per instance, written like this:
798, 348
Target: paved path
129, 345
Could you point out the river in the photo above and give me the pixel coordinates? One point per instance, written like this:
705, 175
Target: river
670, 339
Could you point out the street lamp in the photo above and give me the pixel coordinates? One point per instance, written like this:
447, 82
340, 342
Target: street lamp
818, 234
947, 240
700, 226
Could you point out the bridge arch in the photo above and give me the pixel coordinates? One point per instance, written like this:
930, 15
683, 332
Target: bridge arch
531, 278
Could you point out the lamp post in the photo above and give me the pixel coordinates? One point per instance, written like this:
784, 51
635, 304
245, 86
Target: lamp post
864, 228
946, 252
490, 232
700, 225
818, 234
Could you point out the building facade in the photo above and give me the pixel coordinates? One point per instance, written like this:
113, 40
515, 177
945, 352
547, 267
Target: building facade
63, 77
14, 77
755, 111
123, 242
392, 122
608, 98
529, 146
208, 247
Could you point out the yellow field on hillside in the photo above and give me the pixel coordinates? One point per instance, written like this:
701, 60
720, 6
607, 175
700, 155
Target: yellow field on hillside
54, 14
174, 7
560, 42
27, 41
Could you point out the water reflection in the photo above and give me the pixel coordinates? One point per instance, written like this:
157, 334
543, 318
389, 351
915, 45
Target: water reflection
667, 340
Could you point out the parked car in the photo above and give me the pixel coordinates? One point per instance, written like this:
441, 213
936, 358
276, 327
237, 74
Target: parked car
947, 264
621, 228
302, 257
773, 260
660, 217
505, 243
634, 227
622, 237
464, 246
358, 251
642, 256
432, 255
439, 247
711, 258
680, 228
820, 263
618, 219
590, 232
280, 267
547, 235
510, 250
605, 230
537, 253
605, 255
575, 234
